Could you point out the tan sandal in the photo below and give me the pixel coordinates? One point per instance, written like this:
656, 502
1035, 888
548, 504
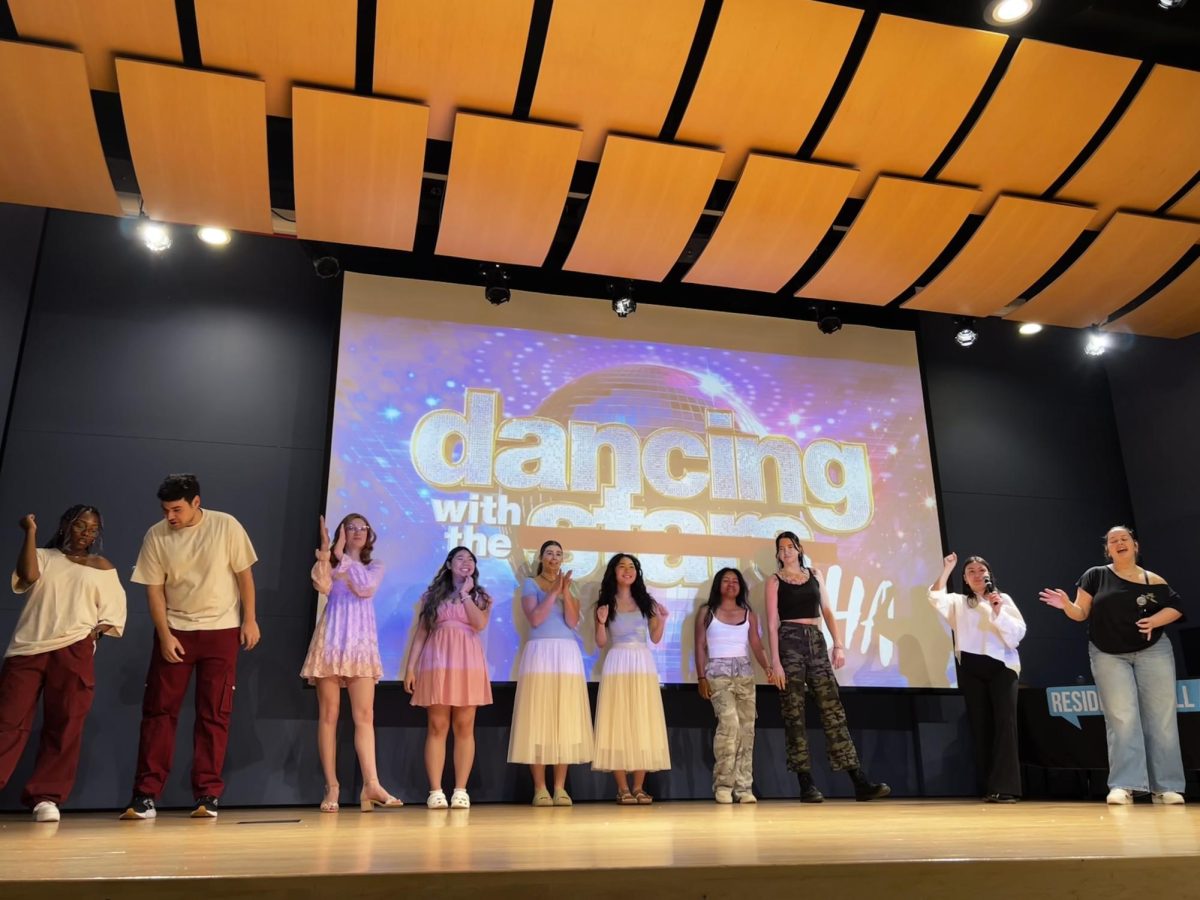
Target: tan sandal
626, 799
327, 805
642, 798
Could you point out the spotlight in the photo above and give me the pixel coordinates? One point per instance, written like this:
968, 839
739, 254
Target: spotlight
495, 284
154, 235
1030, 328
1006, 12
828, 321
327, 266
1171, 4
1097, 343
966, 336
217, 237
623, 303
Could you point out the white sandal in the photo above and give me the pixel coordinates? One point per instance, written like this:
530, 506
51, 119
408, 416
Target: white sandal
436, 800
459, 799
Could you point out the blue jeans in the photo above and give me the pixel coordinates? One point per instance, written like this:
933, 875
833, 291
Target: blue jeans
1137, 692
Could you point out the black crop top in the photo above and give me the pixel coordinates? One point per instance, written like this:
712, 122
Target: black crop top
800, 601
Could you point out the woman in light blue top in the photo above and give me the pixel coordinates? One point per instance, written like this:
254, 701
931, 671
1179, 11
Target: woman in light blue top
552, 718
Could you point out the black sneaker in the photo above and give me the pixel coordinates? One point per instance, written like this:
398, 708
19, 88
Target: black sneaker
1001, 798
205, 808
140, 807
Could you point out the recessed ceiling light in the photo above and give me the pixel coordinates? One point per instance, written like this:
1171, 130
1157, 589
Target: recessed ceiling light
1030, 328
217, 237
1097, 343
1006, 12
154, 235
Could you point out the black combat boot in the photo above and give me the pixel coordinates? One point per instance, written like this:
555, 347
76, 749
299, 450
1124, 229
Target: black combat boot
864, 788
808, 790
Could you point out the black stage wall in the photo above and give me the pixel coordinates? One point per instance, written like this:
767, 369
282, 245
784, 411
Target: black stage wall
219, 362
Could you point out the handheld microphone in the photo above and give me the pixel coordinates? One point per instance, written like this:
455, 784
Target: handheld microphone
988, 587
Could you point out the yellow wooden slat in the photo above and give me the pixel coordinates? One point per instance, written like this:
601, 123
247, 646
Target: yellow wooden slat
507, 186
1042, 114
916, 82
1129, 255
1188, 206
1150, 154
452, 55
1174, 312
50, 153
358, 167
1013, 247
199, 145
898, 233
613, 66
797, 46
644, 207
281, 42
780, 211
102, 30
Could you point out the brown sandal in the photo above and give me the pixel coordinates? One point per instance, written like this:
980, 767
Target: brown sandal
626, 799
642, 798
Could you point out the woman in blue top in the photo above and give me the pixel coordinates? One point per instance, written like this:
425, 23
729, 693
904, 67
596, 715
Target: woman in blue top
552, 718
1126, 608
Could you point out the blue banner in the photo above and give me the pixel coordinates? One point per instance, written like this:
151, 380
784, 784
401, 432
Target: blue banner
1084, 700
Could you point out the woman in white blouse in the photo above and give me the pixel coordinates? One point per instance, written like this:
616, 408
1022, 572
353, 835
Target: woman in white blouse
987, 629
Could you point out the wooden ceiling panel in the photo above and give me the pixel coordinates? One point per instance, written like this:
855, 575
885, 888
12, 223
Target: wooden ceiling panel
1129, 255
914, 86
50, 153
1188, 206
645, 204
358, 167
282, 42
1174, 312
507, 187
1150, 154
798, 47
897, 235
613, 66
199, 145
1013, 247
780, 211
102, 30
1041, 115
451, 54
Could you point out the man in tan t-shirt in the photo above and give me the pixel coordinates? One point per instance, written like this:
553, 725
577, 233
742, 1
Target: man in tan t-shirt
196, 568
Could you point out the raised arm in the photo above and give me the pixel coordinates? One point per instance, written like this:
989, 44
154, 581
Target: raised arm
1077, 611
322, 571
658, 622
937, 591
27, 565
477, 615
362, 580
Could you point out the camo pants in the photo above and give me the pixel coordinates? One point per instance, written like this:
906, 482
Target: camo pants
805, 660
732, 689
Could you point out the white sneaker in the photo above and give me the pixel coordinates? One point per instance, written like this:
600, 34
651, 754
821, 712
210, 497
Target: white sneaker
47, 811
436, 800
746, 797
459, 799
723, 795
1119, 797
1167, 798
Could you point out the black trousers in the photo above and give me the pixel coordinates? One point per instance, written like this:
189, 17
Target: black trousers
990, 689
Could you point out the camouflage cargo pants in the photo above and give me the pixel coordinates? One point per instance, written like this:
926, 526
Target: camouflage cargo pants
733, 697
805, 660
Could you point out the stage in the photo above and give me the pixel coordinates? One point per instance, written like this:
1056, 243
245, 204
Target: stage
930, 849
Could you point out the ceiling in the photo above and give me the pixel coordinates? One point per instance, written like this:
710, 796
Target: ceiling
880, 156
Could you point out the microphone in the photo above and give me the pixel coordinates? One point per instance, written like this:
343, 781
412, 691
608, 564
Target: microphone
988, 587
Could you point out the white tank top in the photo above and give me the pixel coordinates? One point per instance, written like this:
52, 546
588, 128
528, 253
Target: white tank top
728, 641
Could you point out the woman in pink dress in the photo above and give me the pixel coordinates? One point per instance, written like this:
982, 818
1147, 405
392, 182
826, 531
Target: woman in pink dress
344, 653
447, 672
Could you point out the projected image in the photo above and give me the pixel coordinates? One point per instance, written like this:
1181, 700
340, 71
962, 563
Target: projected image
693, 458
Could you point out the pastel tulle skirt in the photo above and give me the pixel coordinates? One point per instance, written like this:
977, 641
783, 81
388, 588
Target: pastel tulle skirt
452, 670
631, 730
552, 717
345, 644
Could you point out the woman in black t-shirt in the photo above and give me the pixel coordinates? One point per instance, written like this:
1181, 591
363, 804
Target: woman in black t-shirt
1126, 608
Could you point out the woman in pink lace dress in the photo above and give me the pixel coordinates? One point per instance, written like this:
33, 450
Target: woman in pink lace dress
447, 672
344, 653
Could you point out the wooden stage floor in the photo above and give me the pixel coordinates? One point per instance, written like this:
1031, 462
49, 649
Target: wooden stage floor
930, 849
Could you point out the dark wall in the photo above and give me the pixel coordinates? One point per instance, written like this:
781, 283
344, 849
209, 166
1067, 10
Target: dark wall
20, 234
1156, 395
1030, 471
220, 362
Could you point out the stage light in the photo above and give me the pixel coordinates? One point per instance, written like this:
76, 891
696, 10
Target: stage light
495, 284
216, 237
155, 235
327, 266
966, 336
623, 303
1097, 343
1171, 4
1006, 12
828, 321
1030, 328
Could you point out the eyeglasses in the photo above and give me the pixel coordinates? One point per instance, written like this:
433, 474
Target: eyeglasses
356, 529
